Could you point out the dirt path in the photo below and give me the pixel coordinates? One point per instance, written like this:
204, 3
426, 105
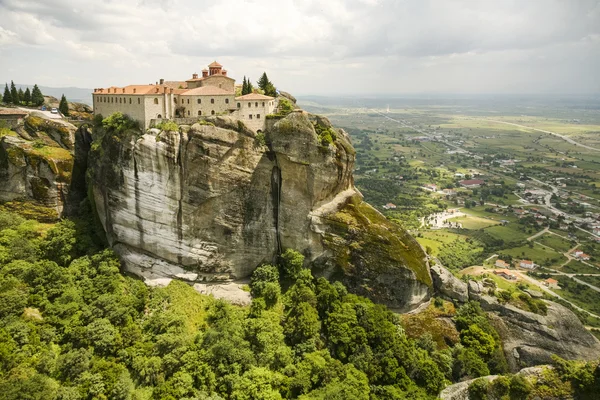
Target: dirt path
540, 233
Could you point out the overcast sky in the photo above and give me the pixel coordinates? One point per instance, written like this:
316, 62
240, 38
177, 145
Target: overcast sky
309, 47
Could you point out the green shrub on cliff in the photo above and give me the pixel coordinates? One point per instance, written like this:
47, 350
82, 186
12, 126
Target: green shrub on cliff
118, 123
168, 126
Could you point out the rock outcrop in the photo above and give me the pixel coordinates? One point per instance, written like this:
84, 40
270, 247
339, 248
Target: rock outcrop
211, 202
449, 285
36, 163
528, 339
460, 391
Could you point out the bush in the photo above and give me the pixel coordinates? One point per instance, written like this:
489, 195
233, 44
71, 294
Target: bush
168, 126
118, 122
478, 389
519, 388
260, 139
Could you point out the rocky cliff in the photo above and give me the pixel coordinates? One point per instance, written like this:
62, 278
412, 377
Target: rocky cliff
212, 201
36, 161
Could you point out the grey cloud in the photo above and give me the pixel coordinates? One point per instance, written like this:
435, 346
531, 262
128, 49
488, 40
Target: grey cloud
429, 41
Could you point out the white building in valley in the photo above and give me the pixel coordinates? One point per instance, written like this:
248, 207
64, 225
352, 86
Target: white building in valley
211, 94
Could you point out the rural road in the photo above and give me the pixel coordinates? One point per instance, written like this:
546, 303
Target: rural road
566, 138
47, 114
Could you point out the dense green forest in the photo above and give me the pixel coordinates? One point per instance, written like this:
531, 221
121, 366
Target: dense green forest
73, 327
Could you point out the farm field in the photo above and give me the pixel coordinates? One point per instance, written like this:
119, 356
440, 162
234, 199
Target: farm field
538, 254
577, 267
554, 241
472, 222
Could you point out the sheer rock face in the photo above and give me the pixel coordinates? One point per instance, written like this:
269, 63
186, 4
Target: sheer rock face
212, 203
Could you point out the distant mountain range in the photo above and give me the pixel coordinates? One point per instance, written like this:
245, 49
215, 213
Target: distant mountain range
74, 94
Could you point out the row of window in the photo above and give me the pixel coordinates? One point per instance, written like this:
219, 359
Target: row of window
250, 116
120, 100
212, 101
250, 104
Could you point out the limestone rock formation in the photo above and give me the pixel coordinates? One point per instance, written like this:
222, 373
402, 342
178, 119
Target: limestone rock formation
528, 339
36, 163
449, 285
211, 202
531, 339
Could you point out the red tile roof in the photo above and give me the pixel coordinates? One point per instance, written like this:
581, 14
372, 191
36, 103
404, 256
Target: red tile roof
214, 64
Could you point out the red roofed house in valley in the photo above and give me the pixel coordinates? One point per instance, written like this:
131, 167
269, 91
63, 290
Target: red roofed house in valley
551, 283
527, 264
502, 264
506, 274
472, 183
210, 94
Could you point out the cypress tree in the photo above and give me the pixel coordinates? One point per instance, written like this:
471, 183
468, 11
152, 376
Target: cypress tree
21, 95
37, 98
63, 107
270, 90
250, 87
7, 98
13, 93
27, 97
263, 81
245, 86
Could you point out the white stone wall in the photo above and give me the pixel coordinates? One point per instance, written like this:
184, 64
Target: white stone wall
153, 110
253, 113
221, 104
131, 105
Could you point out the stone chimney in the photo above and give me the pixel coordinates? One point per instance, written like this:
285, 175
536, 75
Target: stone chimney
224, 72
162, 81
195, 76
134, 90
123, 90
204, 73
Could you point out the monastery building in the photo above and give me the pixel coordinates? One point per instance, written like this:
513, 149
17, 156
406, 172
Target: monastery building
211, 94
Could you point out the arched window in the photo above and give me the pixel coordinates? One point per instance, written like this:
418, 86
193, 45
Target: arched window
199, 101
139, 100
199, 113
159, 116
249, 104
263, 103
175, 100
226, 101
156, 100
130, 100
256, 104
188, 101
239, 105
212, 112
188, 113
212, 101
